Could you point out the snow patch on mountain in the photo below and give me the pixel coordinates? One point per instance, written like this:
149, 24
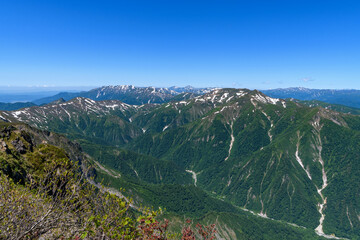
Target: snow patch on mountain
265, 99
194, 176
231, 141
298, 159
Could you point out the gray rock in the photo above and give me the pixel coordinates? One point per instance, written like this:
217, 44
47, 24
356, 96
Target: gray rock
3, 146
19, 146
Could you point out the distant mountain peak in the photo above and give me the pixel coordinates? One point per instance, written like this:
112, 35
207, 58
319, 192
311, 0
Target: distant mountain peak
60, 100
224, 95
118, 87
191, 89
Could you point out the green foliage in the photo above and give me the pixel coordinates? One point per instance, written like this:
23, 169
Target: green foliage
245, 226
52, 198
182, 202
113, 129
341, 153
137, 166
181, 199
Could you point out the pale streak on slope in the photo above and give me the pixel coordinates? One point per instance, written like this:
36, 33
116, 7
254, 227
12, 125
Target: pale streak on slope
268, 166
298, 159
271, 125
319, 229
115, 192
111, 173
348, 216
111, 190
4, 119
229, 182
291, 224
268, 117
136, 173
231, 141
272, 219
194, 176
65, 111
248, 196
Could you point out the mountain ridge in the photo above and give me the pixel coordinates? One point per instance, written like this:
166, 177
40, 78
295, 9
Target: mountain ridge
272, 156
347, 97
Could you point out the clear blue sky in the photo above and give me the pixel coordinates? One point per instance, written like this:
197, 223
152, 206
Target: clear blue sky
251, 44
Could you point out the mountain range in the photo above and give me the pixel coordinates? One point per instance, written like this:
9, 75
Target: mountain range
347, 97
15, 106
239, 149
340, 100
128, 94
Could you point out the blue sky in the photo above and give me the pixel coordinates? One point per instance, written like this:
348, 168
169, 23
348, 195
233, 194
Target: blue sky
243, 44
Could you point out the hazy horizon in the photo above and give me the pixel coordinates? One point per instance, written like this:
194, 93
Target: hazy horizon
52, 89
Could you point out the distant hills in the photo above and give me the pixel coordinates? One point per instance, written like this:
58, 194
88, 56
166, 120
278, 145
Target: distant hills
15, 106
350, 98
